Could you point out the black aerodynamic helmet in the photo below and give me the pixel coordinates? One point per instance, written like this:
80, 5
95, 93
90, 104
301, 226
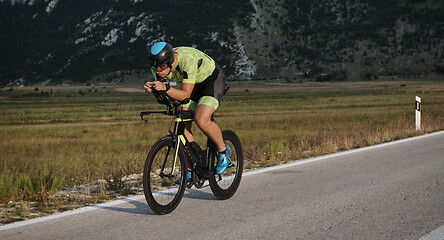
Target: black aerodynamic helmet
160, 53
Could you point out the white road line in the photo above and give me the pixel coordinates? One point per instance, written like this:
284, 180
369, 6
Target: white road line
338, 154
139, 197
72, 212
437, 234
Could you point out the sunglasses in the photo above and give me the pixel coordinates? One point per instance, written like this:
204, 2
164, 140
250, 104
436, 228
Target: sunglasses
161, 67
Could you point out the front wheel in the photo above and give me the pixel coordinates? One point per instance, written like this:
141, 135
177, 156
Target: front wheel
225, 185
160, 173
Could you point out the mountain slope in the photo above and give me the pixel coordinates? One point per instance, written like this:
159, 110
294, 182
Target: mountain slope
347, 39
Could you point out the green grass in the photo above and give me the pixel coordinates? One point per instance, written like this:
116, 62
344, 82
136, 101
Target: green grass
72, 137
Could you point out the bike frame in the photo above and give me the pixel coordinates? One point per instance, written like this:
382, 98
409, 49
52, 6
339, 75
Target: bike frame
178, 135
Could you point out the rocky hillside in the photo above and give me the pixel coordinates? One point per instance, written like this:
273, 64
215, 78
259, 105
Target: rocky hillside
58, 40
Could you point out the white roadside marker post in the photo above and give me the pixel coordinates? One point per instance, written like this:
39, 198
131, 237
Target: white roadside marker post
418, 113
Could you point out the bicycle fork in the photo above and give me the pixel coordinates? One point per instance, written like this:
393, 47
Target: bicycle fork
180, 139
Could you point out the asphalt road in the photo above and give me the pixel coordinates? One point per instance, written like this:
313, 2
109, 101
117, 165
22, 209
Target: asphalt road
392, 191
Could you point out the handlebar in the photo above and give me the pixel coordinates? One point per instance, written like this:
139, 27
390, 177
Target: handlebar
142, 114
164, 99
172, 106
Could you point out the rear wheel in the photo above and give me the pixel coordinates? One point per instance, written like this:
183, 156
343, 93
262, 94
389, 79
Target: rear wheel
225, 185
159, 174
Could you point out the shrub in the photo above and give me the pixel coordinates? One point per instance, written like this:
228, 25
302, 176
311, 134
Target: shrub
38, 187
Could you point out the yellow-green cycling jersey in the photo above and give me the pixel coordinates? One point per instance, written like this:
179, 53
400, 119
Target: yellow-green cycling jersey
194, 66
198, 68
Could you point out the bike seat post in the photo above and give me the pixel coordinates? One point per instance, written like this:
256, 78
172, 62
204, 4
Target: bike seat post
182, 117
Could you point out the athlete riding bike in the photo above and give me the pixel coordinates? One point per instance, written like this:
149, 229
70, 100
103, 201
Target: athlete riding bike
203, 82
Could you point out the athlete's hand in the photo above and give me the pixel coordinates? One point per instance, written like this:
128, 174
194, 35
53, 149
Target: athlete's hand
148, 86
156, 85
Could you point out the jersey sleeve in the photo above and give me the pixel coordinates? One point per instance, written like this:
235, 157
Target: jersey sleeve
190, 70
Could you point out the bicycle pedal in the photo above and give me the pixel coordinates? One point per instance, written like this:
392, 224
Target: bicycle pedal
199, 184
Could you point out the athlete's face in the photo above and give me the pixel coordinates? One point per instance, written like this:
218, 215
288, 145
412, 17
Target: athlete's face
162, 70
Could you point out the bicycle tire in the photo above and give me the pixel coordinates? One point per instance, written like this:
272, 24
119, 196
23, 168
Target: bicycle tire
226, 184
161, 193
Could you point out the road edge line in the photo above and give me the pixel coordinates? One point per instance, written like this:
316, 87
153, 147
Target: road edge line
437, 234
338, 154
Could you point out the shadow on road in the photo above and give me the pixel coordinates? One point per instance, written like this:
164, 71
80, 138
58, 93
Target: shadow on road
141, 207
197, 194
136, 208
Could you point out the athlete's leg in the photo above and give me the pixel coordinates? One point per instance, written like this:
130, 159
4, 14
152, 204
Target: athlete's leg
188, 134
202, 117
186, 107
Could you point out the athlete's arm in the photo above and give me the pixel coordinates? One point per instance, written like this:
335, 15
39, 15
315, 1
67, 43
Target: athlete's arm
179, 94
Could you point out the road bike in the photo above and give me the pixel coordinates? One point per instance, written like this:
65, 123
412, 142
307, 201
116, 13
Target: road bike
165, 170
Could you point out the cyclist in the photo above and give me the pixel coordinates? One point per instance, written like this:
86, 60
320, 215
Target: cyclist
203, 82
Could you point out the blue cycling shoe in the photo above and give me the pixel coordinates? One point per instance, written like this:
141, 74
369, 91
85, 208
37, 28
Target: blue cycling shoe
189, 177
223, 160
